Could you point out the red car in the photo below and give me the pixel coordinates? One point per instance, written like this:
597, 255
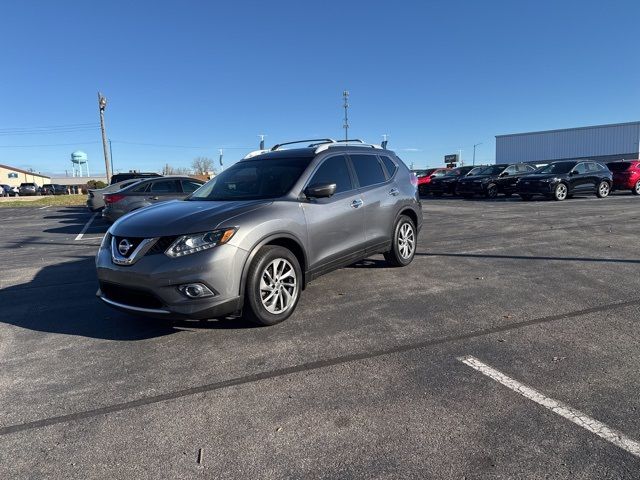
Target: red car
626, 175
425, 176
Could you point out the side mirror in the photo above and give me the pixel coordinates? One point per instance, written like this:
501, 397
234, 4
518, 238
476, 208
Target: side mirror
573, 172
504, 174
320, 190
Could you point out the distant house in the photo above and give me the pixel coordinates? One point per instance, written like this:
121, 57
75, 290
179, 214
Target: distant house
15, 176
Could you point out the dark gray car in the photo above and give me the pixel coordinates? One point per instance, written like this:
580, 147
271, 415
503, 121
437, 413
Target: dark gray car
253, 237
147, 192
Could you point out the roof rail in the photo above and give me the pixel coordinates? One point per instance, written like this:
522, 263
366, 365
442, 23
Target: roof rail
342, 143
317, 140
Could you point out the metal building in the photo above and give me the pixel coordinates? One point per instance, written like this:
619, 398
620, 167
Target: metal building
600, 142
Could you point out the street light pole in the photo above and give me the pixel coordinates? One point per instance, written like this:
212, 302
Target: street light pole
111, 156
345, 95
474, 152
102, 104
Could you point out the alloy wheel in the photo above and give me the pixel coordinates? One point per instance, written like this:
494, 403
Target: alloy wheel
278, 286
561, 191
603, 189
406, 240
637, 188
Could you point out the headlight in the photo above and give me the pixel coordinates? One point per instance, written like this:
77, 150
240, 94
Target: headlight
106, 240
196, 242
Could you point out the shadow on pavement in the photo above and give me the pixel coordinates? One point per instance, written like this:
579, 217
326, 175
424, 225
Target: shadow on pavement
62, 299
533, 257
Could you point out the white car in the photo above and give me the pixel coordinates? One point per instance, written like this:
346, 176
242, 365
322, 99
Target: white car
95, 198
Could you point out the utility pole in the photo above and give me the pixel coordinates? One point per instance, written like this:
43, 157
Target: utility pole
345, 95
385, 140
221, 155
261, 141
460, 157
102, 104
474, 152
111, 156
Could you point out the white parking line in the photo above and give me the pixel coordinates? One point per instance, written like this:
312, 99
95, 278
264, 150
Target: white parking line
42, 208
86, 226
576, 416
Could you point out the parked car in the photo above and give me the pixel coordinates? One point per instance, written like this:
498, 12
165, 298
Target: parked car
626, 175
448, 182
121, 177
95, 197
147, 192
426, 176
253, 237
8, 191
493, 180
53, 189
28, 188
562, 179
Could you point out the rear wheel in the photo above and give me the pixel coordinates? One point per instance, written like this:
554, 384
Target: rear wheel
560, 192
404, 241
603, 189
273, 286
636, 188
526, 197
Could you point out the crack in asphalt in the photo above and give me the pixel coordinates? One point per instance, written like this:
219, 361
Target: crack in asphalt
316, 365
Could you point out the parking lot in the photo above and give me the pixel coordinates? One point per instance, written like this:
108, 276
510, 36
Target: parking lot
366, 380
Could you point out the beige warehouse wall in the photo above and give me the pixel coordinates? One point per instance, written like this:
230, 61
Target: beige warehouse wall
21, 177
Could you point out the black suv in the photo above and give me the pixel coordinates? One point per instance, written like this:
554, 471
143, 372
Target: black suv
494, 179
121, 177
560, 180
449, 181
53, 189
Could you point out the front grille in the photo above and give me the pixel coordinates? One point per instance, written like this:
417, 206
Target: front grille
161, 245
133, 242
129, 296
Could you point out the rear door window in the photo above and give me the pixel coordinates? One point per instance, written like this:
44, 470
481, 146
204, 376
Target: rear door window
164, 186
333, 170
580, 168
368, 170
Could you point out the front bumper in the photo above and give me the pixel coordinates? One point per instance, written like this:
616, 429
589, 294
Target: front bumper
149, 286
471, 188
532, 187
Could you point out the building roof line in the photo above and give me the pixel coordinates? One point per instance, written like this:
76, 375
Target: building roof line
570, 129
15, 169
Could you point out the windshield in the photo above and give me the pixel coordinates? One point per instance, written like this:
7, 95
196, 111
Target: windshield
253, 180
619, 166
491, 170
475, 171
559, 167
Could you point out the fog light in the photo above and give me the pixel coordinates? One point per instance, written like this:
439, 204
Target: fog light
195, 290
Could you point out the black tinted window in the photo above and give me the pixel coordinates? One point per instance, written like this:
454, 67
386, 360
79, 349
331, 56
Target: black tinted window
389, 165
165, 186
619, 166
581, 168
368, 170
333, 170
189, 186
141, 188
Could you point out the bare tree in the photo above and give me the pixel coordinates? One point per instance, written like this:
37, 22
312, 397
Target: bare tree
169, 170
202, 165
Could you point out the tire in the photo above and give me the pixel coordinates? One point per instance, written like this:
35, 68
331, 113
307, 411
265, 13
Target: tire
403, 246
274, 283
603, 189
560, 192
526, 197
636, 189
492, 191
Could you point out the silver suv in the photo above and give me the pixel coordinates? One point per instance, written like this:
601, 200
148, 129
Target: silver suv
253, 237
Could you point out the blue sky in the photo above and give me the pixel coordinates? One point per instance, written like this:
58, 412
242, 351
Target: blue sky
437, 76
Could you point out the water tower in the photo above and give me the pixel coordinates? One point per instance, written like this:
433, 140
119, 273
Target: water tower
78, 161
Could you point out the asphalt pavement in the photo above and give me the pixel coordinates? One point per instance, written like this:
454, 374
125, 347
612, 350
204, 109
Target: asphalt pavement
366, 380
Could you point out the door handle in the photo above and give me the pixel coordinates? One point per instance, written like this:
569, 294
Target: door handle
394, 192
153, 198
357, 203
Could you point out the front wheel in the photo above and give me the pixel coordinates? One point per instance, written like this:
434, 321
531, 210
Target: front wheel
636, 188
492, 191
603, 189
560, 192
404, 241
273, 286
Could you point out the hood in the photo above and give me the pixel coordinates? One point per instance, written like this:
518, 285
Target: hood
180, 217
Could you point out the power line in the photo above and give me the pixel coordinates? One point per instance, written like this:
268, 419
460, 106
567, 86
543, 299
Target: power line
49, 145
49, 132
45, 128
